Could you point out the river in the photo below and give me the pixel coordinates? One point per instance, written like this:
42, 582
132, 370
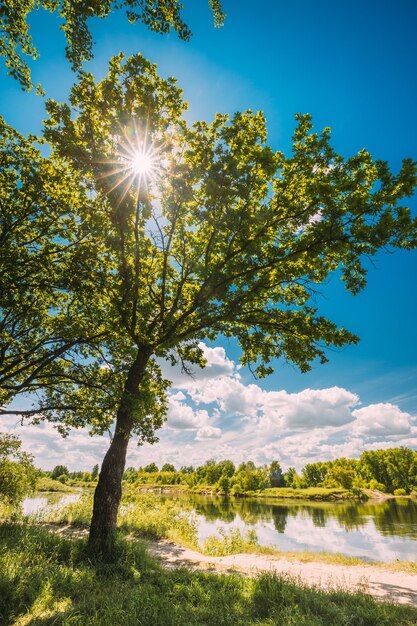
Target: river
374, 531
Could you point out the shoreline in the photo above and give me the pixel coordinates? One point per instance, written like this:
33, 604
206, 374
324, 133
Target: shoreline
316, 494
377, 580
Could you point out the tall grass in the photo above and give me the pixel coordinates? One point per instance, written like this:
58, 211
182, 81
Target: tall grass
146, 515
46, 580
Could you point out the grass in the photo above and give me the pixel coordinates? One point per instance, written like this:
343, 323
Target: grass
310, 493
145, 515
46, 580
323, 494
232, 542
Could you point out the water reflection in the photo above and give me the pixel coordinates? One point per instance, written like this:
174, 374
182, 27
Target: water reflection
36, 504
383, 531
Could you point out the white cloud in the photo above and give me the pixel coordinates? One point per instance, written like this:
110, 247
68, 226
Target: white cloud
208, 432
381, 420
310, 408
218, 414
182, 417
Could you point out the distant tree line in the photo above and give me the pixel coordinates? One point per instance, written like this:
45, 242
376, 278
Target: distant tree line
390, 471
61, 473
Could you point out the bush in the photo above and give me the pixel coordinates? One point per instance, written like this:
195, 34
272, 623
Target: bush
17, 472
400, 492
376, 486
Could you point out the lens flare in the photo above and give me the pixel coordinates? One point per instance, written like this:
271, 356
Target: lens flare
141, 163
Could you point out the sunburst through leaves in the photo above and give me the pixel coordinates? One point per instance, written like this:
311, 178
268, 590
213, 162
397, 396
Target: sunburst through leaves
137, 161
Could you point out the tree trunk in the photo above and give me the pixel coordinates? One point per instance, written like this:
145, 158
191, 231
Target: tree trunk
109, 487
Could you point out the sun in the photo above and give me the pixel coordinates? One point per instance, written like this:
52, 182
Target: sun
136, 164
142, 163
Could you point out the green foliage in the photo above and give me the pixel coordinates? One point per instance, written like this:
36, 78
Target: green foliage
291, 478
321, 479
47, 484
16, 42
313, 474
227, 254
58, 471
232, 542
17, 472
45, 578
168, 467
395, 468
130, 475
168, 478
40, 263
223, 484
276, 477
151, 468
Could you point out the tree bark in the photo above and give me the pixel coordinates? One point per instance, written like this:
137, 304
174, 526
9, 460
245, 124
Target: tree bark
109, 487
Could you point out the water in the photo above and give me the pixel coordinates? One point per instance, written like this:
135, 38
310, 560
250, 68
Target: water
384, 531
377, 531
36, 504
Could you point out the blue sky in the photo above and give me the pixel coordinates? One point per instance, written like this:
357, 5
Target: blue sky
352, 66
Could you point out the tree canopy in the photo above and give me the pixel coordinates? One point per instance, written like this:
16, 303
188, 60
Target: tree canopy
16, 44
40, 318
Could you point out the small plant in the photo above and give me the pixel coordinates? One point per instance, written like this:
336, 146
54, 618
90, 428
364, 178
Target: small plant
232, 542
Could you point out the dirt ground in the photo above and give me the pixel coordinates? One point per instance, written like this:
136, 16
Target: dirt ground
379, 582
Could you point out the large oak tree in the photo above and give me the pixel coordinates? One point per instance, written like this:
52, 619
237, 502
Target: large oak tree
226, 237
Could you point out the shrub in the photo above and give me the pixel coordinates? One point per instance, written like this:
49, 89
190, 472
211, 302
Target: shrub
17, 472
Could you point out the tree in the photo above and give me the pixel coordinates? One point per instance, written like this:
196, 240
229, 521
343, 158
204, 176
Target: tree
151, 468
231, 238
59, 470
168, 467
94, 472
17, 472
314, 474
16, 42
395, 468
276, 477
290, 477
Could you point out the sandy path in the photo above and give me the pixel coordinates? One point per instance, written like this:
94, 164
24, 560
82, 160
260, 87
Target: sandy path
377, 581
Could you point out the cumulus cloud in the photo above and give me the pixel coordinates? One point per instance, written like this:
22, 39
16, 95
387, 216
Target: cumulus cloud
182, 417
383, 419
218, 414
208, 432
310, 408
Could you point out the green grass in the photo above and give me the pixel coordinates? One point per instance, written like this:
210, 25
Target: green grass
144, 515
46, 580
323, 494
310, 493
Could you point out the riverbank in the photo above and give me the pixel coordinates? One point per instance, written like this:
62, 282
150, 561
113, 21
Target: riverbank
380, 581
394, 582
46, 578
316, 494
